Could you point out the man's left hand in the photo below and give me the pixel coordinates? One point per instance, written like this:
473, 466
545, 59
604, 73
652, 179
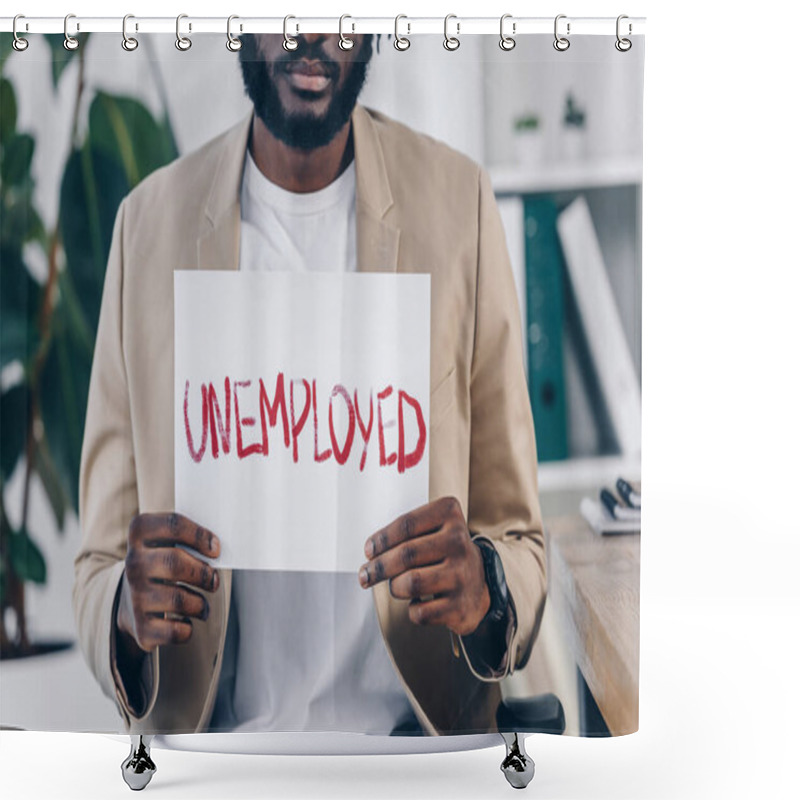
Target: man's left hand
427, 552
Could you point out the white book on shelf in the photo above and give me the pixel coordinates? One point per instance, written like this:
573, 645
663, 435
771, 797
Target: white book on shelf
602, 325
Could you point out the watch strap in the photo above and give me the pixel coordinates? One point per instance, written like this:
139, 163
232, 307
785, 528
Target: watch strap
495, 581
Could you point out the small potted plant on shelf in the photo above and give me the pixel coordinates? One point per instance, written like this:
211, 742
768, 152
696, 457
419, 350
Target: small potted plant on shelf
529, 139
574, 133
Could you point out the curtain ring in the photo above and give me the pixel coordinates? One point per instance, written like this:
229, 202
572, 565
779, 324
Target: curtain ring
345, 43
623, 45
19, 43
289, 43
129, 43
70, 42
561, 43
451, 42
507, 42
183, 43
401, 42
233, 44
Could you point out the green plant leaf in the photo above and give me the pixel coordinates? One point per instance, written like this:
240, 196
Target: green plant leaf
63, 393
51, 481
20, 296
8, 111
6, 48
172, 145
15, 339
15, 165
14, 408
26, 559
92, 188
61, 57
19, 222
124, 129
73, 313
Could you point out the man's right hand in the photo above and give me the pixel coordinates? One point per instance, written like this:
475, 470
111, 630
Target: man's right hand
150, 594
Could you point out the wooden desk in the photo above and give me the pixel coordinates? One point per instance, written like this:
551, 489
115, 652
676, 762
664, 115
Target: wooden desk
594, 587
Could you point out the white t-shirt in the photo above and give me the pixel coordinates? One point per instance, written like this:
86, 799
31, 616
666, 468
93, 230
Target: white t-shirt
304, 650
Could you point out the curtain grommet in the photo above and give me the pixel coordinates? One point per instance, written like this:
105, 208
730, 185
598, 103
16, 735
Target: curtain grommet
183, 43
451, 43
345, 43
129, 43
234, 44
507, 42
561, 43
19, 44
289, 42
623, 44
70, 42
401, 43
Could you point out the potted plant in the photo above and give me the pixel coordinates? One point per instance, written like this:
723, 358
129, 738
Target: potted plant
529, 139
574, 133
48, 326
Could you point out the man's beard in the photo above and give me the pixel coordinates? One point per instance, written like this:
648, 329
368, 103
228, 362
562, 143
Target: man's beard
303, 131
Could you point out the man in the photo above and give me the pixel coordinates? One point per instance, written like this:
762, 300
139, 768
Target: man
313, 181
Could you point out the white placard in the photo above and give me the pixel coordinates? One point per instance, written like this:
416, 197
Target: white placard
301, 411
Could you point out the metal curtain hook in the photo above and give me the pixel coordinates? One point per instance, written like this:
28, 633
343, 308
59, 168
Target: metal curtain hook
233, 44
561, 43
345, 43
19, 43
183, 43
401, 42
70, 42
129, 43
451, 42
507, 42
623, 45
289, 43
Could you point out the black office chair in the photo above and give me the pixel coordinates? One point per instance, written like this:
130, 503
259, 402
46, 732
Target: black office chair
541, 714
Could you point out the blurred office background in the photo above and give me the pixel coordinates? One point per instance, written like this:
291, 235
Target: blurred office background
552, 128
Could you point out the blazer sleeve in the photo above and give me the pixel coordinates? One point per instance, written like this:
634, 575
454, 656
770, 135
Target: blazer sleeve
108, 498
503, 490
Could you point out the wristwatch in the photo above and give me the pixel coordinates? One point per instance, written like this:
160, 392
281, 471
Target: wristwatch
495, 580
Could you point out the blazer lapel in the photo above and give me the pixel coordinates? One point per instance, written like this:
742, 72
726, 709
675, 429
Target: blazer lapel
218, 242
378, 241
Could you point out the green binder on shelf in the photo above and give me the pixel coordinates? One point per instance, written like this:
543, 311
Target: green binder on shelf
544, 277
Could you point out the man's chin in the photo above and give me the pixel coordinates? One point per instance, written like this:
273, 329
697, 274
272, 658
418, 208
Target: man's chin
311, 103
297, 103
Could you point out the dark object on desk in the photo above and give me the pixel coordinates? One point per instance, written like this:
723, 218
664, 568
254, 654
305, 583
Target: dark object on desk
616, 509
609, 516
602, 523
541, 714
628, 493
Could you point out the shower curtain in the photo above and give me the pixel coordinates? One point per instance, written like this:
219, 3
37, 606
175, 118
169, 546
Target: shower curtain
321, 369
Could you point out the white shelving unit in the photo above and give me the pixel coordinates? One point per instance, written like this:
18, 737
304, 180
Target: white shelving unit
563, 483
566, 176
585, 473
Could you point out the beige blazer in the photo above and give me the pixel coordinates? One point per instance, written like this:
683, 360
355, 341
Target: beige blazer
421, 207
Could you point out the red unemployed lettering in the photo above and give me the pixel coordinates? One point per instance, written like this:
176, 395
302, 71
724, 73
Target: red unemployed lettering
254, 408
